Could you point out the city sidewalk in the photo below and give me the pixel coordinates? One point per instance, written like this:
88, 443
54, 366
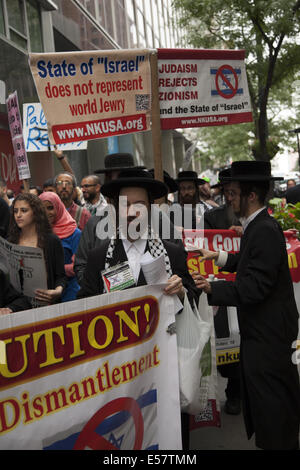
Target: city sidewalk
230, 436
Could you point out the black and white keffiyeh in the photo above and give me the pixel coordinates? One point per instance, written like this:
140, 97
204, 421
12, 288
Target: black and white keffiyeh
156, 248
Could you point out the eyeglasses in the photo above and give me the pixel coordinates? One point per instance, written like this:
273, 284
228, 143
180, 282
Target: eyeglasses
67, 183
85, 186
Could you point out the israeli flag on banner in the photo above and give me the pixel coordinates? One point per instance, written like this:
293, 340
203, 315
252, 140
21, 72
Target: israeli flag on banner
226, 82
118, 429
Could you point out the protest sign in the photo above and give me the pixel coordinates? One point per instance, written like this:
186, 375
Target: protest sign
97, 373
8, 164
25, 266
90, 95
199, 88
35, 131
15, 126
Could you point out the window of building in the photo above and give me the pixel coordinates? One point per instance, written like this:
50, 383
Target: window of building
34, 26
2, 25
16, 22
20, 22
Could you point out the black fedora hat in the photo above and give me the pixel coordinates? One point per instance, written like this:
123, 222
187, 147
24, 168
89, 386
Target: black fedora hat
222, 174
135, 177
189, 176
251, 171
117, 162
168, 180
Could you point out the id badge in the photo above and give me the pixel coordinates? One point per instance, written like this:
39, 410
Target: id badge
118, 277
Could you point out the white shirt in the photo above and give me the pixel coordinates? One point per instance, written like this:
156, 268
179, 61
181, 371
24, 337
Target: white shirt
134, 251
223, 255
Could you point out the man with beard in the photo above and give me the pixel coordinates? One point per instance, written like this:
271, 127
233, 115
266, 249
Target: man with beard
267, 312
192, 208
65, 185
94, 200
132, 194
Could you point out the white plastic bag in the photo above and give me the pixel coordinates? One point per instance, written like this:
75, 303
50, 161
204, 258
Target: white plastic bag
194, 358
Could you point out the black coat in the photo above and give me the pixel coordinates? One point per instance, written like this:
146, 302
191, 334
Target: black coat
219, 218
92, 283
268, 322
10, 298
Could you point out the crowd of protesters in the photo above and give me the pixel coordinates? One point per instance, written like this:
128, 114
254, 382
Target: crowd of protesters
63, 218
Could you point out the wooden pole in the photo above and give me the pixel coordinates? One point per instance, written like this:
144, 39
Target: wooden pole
155, 115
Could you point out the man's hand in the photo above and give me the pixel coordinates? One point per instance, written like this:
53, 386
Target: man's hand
201, 283
238, 229
175, 286
205, 254
5, 311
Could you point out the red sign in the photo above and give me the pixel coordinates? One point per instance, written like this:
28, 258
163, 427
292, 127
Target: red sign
8, 166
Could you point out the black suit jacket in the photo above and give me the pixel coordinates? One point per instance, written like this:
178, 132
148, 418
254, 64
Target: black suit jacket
10, 298
268, 321
218, 218
92, 283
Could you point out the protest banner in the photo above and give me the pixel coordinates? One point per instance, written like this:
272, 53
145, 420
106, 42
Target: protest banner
8, 164
15, 126
91, 95
96, 373
35, 131
25, 266
199, 88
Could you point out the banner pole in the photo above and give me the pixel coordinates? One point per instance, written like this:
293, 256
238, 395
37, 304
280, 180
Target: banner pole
155, 116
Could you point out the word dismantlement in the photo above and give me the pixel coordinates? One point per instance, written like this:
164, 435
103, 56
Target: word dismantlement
65, 69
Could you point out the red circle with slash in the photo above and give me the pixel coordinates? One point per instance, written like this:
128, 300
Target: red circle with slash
222, 75
89, 438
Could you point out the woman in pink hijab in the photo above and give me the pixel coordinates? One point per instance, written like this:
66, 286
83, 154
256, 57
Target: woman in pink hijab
65, 227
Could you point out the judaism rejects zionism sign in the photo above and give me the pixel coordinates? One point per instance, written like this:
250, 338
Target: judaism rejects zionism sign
97, 373
94, 94
199, 88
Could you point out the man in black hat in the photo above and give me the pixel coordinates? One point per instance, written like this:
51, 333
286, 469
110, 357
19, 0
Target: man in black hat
140, 190
133, 193
114, 163
267, 312
192, 208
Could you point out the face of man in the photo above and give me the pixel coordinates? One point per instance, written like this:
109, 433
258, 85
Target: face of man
238, 202
188, 192
64, 188
134, 208
90, 190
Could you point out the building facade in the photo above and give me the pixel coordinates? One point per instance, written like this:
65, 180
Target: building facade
71, 25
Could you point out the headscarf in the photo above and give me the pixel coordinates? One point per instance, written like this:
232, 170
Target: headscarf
64, 224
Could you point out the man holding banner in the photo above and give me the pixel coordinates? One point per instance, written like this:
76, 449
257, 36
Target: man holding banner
116, 263
267, 312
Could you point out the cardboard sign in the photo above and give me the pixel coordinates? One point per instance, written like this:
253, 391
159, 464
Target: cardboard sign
95, 94
199, 88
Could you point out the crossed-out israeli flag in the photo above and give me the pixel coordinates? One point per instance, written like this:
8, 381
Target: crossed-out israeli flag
224, 87
118, 429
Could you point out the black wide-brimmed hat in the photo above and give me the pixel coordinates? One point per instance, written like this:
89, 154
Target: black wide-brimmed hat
118, 162
135, 178
222, 174
251, 171
189, 176
168, 180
